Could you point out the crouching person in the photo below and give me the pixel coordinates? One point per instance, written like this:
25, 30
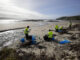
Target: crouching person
49, 36
56, 28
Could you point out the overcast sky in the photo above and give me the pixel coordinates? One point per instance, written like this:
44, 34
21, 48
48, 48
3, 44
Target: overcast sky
39, 9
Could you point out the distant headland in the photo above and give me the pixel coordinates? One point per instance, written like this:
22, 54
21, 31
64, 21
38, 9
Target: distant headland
69, 18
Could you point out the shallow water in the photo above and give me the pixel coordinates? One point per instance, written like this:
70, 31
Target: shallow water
9, 37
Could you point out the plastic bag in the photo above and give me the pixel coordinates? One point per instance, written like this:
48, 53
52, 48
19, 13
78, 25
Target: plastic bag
64, 41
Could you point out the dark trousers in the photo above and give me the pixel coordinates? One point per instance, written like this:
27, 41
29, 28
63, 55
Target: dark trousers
56, 30
27, 36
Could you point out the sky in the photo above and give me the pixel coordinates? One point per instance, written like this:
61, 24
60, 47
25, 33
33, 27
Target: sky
39, 9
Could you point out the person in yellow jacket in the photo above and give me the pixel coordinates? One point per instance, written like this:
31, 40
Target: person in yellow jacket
61, 28
56, 28
50, 34
26, 31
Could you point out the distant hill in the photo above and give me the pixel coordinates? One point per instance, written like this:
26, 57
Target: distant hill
69, 18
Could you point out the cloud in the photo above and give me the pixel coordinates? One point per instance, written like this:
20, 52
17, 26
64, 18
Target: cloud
51, 8
37, 5
10, 10
38, 9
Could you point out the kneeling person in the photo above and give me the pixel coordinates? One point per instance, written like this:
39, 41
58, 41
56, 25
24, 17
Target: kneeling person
50, 35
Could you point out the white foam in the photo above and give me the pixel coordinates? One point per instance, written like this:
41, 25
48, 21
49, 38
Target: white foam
8, 43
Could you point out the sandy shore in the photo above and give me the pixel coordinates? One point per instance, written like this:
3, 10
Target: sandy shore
39, 30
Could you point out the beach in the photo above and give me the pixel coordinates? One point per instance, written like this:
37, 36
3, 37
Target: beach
36, 28
13, 32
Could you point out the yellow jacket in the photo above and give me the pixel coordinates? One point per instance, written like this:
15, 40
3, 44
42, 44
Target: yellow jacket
50, 34
56, 27
26, 31
61, 28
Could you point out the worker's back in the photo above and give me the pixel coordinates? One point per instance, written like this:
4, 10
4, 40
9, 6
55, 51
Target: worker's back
50, 34
56, 27
61, 28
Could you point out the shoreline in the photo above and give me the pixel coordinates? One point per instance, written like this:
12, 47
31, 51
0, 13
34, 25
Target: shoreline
11, 29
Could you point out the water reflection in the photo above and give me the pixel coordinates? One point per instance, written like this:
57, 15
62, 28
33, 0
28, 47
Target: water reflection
6, 21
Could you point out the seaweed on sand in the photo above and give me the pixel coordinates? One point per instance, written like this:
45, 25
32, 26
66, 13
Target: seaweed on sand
8, 54
12, 54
